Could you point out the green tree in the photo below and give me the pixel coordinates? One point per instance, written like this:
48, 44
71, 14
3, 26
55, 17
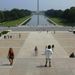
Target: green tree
72, 14
66, 14
1, 17
13, 14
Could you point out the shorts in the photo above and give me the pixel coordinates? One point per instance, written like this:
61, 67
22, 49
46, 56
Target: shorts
48, 59
36, 52
11, 57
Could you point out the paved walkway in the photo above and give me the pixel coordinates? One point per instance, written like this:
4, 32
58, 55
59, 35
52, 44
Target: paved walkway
41, 39
26, 63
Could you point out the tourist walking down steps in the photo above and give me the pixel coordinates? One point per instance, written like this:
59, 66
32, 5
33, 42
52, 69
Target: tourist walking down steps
10, 56
36, 51
48, 52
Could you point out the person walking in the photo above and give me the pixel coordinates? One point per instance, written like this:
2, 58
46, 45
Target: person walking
36, 51
19, 35
48, 55
53, 47
14, 36
10, 56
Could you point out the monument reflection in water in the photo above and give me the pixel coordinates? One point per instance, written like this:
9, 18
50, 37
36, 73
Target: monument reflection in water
37, 12
38, 19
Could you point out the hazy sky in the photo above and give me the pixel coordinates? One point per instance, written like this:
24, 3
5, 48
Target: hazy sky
32, 4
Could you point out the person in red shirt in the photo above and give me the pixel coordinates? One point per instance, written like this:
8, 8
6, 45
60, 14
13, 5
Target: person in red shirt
36, 51
11, 56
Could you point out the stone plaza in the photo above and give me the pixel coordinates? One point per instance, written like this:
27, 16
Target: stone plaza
25, 62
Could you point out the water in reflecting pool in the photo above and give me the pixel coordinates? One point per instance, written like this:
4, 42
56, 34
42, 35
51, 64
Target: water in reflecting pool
38, 20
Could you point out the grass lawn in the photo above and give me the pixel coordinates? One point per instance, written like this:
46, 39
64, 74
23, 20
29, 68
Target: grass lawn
15, 22
60, 21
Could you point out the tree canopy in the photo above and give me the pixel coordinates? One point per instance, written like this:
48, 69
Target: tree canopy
68, 14
13, 14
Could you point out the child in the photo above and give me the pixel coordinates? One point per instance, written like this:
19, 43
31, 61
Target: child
53, 47
36, 51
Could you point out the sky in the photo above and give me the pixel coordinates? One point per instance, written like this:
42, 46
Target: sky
32, 4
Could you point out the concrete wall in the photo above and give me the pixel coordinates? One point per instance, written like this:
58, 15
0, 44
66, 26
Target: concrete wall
51, 21
24, 21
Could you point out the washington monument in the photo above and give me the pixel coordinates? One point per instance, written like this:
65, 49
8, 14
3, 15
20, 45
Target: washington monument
37, 6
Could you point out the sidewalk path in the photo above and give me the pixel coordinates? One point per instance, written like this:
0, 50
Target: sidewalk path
41, 39
26, 63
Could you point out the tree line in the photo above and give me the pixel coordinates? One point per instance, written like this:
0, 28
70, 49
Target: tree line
68, 14
14, 14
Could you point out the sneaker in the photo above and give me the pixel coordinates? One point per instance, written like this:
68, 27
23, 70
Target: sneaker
45, 65
49, 65
10, 63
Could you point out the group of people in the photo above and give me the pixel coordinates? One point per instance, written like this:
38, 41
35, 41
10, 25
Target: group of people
10, 36
48, 52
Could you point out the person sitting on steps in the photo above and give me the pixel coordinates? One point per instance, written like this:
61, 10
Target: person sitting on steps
72, 55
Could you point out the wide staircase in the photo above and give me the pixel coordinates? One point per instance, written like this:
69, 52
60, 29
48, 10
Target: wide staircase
26, 63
